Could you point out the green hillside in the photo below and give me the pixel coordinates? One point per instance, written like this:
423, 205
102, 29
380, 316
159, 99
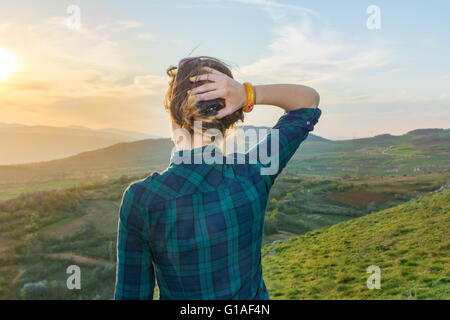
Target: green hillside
409, 242
418, 151
302, 203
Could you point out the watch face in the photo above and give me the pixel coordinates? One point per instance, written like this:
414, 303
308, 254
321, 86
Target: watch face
210, 107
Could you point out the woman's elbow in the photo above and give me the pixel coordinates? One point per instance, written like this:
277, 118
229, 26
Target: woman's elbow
314, 99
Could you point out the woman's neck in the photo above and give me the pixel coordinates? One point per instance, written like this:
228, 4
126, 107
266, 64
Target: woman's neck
197, 141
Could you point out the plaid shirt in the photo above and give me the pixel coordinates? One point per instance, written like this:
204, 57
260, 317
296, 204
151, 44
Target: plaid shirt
198, 228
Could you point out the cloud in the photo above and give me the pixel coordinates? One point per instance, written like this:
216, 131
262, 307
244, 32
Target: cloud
349, 97
129, 24
301, 53
27, 85
66, 75
270, 3
278, 11
304, 48
145, 36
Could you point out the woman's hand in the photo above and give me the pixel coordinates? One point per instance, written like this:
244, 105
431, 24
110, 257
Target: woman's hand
220, 86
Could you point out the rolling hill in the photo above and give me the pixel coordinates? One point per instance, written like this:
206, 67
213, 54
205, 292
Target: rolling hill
409, 242
23, 144
135, 157
420, 151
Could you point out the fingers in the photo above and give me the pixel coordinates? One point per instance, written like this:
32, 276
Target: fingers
212, 75
206, 77
210, 95
205, 88
214, 71
222, 113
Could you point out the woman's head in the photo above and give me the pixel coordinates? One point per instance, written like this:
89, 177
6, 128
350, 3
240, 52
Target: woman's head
185, 109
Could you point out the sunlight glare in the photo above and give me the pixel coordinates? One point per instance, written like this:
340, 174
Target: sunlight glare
8, 64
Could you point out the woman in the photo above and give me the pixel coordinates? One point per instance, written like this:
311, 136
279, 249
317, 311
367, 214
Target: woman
197, 227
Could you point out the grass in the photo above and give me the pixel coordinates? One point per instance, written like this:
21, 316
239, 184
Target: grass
302, 203
58, 224
12, 190
410, 243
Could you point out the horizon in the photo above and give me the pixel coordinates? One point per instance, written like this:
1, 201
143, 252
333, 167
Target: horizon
371, 81
333, 138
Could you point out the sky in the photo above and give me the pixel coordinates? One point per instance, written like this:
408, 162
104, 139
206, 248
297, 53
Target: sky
376, 73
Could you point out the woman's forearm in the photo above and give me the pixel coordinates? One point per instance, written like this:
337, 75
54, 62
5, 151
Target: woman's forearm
287, 96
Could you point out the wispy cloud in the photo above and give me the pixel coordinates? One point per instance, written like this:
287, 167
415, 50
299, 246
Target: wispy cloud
300, 53
275, 4
130, 24
58, 65
146, 36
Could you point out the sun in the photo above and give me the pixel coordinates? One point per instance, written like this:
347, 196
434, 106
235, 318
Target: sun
8, 64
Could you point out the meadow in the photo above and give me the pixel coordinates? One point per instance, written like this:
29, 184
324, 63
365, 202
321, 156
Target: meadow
409, 243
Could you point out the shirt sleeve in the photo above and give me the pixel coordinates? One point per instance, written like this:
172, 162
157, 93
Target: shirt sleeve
275, 151
135, 277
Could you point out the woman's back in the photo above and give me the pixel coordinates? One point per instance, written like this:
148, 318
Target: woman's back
205, 226
197, 228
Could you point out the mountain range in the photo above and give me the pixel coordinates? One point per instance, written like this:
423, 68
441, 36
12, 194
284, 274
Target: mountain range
22, 144
419, 151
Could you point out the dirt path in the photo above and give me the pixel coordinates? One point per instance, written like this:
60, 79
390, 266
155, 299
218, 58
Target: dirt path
76, 258
17, 277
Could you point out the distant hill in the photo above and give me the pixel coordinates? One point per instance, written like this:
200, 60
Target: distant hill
312, 137
23, 144
409, 243
122, 158
419, 151
380, 155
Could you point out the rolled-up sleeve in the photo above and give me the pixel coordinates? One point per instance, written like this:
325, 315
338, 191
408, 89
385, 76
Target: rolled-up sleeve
135, 277
284, 139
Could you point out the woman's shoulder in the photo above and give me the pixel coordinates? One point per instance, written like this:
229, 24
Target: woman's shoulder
153, 188
142, 188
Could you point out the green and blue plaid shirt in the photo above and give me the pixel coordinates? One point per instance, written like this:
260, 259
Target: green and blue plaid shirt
198, 228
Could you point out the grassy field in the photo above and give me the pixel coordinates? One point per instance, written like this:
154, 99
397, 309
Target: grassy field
302, 203
409, 242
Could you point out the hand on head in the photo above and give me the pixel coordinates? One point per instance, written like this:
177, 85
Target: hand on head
220, 86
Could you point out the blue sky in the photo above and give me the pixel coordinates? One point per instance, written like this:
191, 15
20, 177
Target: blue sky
111, 72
